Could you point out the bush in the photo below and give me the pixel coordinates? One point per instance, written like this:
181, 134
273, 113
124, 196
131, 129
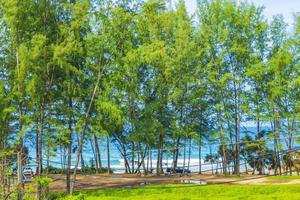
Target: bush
86, 170
43, 183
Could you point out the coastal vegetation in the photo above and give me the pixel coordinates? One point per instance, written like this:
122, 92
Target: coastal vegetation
153, 81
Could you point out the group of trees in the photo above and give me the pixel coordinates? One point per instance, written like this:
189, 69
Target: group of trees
146, 76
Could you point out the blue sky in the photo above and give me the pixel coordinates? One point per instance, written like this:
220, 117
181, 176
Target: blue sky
272, 7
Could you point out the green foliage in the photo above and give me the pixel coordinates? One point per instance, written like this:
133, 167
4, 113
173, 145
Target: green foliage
43, 182
145, 76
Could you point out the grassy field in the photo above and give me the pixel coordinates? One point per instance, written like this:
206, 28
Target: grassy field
186, 192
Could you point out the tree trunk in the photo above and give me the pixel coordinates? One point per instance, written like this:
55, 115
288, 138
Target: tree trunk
126, 163
161, 156
151, 168
92, 141
132, 157
237, 142
176, 152
39, 155
108, 155
184, 153
190, 146
260, 161
211, 160
85, 123
200, 164
98, 154
68, 170
237, 127
148, 157
277, 135
158, 160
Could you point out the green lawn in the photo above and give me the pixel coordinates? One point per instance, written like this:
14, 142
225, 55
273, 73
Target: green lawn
207, 192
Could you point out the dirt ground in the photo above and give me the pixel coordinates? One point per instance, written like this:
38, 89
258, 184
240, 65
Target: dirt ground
126, 180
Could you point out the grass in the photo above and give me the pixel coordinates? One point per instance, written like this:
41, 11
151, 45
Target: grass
187, 192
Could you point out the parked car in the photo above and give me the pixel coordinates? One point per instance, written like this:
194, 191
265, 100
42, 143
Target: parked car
178, 170
27, 171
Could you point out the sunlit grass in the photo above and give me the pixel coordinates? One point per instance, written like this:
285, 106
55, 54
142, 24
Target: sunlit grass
186, 192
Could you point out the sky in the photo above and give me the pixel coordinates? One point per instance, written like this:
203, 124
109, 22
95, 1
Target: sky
272, 7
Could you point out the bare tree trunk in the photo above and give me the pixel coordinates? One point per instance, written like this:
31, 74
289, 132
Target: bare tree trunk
108, 155
151, 168
161, 156
158, 160
70, 138
132, 157
190, 146
237, 141
211, 160
148, 159
143, 160
98, 155
39, 155
159, 168
85, 123
184, 153
20, 179
126, 163
95, 157
138, 159
237, 127
277, 125
200, 162
176, 152
260, 161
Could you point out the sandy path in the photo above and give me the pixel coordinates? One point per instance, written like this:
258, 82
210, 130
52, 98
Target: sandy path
121, 180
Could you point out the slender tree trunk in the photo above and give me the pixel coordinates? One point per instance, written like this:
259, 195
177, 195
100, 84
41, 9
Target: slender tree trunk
39, 155
278, 145
132, 157
138, 159
126, 163
159, 168
237, 169
148, 157
184, 153
176, 150
237, 127
61, 156
260, 161
223, 150
200, 164
151, 168
47, 162
98, 154
68, 170
275, 146
143, 160
95, 157
161, 156
158, 160
211, 160
190, 146
108, 155
82, 135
